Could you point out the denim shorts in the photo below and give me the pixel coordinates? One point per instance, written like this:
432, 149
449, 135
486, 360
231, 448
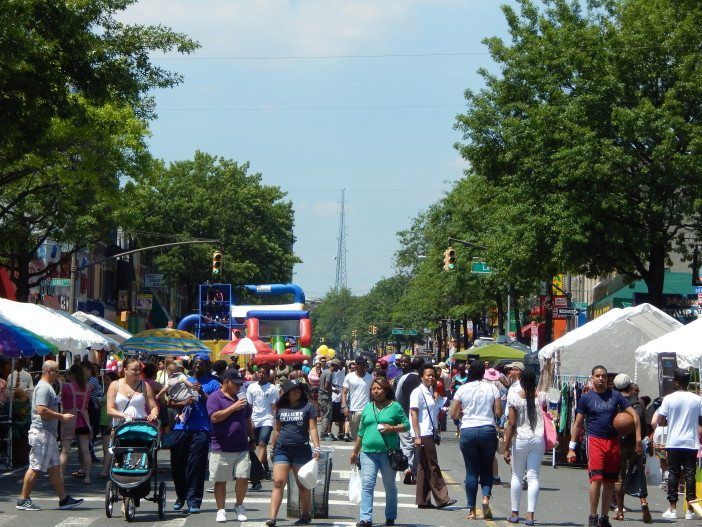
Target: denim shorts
295, 455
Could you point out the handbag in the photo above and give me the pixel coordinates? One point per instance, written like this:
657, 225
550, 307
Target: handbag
550, 436
398, 461
634, 483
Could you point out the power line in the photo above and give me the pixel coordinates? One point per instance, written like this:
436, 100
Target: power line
332, 57
316, 108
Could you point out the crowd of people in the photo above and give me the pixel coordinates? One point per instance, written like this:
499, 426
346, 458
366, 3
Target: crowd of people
247, 424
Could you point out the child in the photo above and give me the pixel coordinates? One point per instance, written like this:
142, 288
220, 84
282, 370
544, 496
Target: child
178, 389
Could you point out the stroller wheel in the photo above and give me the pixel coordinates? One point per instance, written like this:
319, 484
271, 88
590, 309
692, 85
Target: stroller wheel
109, 502
161, 500
129, 509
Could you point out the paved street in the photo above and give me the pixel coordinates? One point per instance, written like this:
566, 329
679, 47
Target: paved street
563, 500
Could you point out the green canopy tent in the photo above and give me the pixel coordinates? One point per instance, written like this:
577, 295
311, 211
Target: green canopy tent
491, 352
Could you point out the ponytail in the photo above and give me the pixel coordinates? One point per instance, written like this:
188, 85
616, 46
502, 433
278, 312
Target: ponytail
528, 382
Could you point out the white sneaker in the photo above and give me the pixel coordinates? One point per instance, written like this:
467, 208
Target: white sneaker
221, 516
240, 513
689, 515
670, 515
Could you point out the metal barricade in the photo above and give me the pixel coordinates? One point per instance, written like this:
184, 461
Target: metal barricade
319, 507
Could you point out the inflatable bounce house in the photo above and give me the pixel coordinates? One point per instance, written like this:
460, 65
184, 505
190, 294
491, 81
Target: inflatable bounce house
278, 331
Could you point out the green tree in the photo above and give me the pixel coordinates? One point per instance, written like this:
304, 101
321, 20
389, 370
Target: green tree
588, 141
50, 49
332, 320
71, 195
213, 198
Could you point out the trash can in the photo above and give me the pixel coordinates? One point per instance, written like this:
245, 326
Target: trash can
319, 507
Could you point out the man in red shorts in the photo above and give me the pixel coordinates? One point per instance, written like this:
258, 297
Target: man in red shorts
600, 405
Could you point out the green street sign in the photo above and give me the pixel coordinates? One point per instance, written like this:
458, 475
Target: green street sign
480, 268
65, 282
405, 332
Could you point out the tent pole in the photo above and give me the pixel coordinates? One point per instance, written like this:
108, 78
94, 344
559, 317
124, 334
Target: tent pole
12, 396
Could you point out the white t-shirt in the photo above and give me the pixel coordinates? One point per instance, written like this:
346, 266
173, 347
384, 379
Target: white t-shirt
477, 399
682, 410
524, 431
359, 390
262, 398
337, 381
427, 408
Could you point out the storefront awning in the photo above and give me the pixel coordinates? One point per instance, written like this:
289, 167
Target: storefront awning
116, 332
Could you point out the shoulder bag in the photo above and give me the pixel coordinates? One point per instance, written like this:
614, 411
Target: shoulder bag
398, 461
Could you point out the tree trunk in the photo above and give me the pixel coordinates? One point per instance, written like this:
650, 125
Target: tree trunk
548, 314
21, 277
656, 275
517, 317
500, 315
466, 338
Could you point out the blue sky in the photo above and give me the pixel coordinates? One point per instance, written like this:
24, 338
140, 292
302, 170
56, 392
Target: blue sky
316, 125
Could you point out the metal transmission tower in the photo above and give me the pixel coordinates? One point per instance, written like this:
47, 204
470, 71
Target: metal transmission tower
341, 245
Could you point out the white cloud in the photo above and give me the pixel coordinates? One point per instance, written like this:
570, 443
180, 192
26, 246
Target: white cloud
325, 208
283, 27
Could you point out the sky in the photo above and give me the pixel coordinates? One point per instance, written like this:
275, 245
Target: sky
320, 95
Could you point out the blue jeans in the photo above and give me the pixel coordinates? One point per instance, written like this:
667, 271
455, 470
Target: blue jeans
371, 463
478, 446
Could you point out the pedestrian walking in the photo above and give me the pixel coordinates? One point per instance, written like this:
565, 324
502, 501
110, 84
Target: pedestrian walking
190, 441
295, 426
680, 411
75, 400
425, 405
524, 444
106, 425
408, 381
599, 406
130, 397
477, 404
354, 395
338, 416
326, 391
631, 462
43, 440
262, 396
382, 419
232, 438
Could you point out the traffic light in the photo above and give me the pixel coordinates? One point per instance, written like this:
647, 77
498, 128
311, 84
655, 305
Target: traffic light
449, 259
217, 263
354, 333
373, 330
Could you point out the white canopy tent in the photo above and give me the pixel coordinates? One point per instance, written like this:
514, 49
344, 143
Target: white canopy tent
116, 332
64, 332
611, 340
686, 342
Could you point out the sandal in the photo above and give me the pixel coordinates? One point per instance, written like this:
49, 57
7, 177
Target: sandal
78, 474
487, 512
472, 515
513, 519
102, 476
618, 515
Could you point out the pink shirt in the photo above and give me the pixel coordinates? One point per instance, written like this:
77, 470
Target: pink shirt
81, 403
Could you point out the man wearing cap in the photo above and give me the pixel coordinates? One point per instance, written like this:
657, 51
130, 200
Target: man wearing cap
190, 442
325, 397
680, 411
630, 459
355, 393
262, 396
232, 438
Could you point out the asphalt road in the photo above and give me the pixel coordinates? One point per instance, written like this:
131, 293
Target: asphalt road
563, 500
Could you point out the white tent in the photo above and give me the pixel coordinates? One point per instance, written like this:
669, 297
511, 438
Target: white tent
116, 332
64, 332
611, 340
686, 342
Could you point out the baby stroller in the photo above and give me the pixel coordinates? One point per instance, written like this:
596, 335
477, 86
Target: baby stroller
134, 448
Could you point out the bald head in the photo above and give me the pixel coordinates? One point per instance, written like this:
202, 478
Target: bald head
49, 370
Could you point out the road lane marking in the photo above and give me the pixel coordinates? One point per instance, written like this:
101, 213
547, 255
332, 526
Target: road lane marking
75, 520
175, 522
7, 519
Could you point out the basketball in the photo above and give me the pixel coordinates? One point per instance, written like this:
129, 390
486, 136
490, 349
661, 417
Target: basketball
624, 423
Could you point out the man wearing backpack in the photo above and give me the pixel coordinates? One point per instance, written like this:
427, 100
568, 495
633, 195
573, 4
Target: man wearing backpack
630, 460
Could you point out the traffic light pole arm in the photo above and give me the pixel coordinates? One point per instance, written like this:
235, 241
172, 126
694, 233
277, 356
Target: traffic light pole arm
467, 244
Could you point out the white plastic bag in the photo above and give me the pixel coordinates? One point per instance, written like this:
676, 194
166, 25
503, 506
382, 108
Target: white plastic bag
355, 486
308, 474
653, 471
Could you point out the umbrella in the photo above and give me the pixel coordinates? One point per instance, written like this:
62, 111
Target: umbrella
15, 341
491, 351
246, 346
272, 358
164, 341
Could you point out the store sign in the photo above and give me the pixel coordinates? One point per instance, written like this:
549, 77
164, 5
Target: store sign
153, 280
144, 301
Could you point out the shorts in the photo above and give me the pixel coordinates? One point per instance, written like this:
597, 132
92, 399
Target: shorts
337, 415
629, 460
44, 450
354, 423
262, 434
228, 466
295, 455
105, 430
82, 431
604, 459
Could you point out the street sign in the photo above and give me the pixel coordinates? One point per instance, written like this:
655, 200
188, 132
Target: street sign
480, 268
698, 289
567, 312
153, 280
405, 332
63, 282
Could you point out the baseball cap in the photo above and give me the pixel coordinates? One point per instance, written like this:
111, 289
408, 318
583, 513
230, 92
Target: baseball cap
231, 374
335, 362
205, 357
515, 366
622, 381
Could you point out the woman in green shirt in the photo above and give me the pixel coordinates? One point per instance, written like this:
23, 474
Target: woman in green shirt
381, 420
